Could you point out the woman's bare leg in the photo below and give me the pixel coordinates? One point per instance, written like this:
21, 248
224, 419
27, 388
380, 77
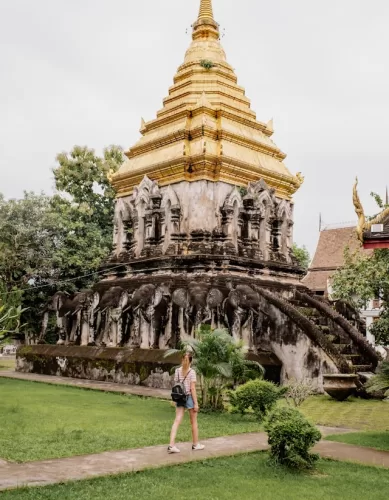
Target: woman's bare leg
179, 416
195, 429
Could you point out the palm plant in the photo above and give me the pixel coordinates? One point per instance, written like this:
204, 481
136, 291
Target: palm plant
9, 320
380, 381
218, 360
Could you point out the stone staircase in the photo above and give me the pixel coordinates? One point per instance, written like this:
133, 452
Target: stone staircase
341, 341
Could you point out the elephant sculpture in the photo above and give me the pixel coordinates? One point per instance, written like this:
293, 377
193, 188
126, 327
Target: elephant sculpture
109, 317
79, 313
74, 317
200, 304
55, 305
150, 314
241, 308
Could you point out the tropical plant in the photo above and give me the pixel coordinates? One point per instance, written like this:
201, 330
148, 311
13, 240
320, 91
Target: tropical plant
380, 381
291, 437
218, 360
298, 392
9, 318
258, 396
10, 312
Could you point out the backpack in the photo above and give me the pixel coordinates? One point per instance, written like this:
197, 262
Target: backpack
179, 392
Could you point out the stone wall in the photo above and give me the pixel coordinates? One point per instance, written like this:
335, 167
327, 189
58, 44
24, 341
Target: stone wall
124, 366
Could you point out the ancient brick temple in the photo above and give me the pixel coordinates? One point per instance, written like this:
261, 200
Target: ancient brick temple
203, 235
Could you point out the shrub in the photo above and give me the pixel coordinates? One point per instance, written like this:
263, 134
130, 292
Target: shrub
380, 382
298, 392
258, 395
291, 437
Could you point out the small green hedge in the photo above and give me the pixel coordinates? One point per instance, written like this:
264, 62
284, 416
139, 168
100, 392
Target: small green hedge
259, 396
291, 437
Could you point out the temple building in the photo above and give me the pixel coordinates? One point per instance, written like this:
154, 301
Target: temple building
203, 235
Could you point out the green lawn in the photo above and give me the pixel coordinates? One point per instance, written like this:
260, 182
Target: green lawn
361, 414
241, 477
41, 421
378, 440
7, 363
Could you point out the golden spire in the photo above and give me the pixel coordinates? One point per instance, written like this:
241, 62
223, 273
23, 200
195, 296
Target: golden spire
205, 25
206, 11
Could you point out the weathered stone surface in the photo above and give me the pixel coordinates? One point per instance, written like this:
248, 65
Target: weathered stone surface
124, 366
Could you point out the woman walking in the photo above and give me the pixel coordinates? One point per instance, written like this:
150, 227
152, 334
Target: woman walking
185, 378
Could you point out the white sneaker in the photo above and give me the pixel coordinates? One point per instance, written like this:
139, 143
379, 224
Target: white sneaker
173, 449
197, 447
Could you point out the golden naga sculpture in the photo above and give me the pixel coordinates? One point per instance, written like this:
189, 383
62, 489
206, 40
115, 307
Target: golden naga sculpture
363, 224
300, 178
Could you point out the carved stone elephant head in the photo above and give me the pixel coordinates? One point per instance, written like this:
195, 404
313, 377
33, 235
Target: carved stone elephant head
241, 304
198, 301
109, 316
150, 303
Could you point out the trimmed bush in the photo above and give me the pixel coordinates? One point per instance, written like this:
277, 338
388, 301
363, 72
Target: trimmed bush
259, 396
291, 437
298, 392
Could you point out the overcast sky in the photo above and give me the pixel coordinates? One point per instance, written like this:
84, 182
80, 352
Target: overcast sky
86, 71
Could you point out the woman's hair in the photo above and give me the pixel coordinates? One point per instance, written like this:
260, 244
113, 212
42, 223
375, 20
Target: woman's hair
189, 356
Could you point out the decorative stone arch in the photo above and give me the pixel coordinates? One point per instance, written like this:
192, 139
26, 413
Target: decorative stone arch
284, 214
171, 210
231, 218
141, 200
123, 224
265, 202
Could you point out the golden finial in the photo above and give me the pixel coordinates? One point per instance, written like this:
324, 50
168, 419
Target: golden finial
359, 211
205, 25
206, 11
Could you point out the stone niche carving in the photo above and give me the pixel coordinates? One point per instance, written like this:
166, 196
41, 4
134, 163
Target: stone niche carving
250, 223
147, 223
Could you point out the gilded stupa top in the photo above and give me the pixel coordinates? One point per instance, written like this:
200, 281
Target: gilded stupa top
206, 128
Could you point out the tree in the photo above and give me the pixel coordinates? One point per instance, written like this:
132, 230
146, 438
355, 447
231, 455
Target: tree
218, 360
302, 256
27, 240
59, 242
83, 176
362, 278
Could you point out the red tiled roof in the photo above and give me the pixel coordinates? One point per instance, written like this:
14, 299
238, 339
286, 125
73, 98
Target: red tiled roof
329, 256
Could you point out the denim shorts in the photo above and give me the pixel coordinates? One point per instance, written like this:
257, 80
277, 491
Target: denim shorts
189, 404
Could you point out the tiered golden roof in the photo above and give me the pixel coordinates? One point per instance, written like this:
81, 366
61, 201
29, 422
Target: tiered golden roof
206, 129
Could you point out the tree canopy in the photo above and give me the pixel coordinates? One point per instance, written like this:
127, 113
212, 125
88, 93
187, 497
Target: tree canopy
302, 256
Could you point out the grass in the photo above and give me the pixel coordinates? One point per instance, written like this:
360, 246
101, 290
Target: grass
244, 476
361, 414
41, 421
7, 363
377, 440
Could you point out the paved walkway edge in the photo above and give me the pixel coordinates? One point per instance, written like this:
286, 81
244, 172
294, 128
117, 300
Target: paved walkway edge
135, 390
118, 462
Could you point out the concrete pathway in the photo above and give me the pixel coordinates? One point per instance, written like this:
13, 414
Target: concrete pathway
136, 390
116, 462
